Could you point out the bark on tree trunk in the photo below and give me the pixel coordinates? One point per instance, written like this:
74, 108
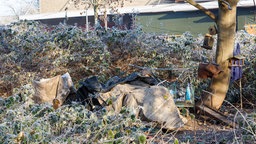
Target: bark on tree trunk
226, 24
96, 15
105, 19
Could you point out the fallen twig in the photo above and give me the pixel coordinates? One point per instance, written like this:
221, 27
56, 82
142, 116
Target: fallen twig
148, 68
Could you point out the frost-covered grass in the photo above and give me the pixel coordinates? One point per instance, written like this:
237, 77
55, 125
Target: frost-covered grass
30, 50
24, 121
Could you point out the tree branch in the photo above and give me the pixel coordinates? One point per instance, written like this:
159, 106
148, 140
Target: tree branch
161, 69
206, 11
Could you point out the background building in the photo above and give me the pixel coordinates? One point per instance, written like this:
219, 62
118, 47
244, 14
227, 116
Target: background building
156, 16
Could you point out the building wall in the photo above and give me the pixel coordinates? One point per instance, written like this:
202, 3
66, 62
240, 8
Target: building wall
47, 6
195, 22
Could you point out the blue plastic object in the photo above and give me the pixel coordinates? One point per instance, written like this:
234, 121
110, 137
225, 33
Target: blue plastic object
188, 94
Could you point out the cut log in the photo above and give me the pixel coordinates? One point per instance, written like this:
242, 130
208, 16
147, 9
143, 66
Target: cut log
217, 115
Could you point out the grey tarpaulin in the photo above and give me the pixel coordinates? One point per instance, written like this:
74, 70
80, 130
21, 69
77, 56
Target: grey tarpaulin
91, 85
138, 93
153, 103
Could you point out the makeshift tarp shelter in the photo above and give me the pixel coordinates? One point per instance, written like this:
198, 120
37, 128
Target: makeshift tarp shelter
138, 93
151, 103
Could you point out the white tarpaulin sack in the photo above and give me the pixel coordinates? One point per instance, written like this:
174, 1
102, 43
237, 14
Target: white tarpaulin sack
56, 88
154, 102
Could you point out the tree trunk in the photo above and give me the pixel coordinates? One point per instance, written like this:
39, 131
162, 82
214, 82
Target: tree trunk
96, 15
105, 19
226, 24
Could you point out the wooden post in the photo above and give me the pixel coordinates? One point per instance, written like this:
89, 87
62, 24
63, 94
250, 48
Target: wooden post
241, 96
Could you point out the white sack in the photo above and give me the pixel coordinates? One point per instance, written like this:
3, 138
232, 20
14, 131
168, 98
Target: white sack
58, 87
155, 103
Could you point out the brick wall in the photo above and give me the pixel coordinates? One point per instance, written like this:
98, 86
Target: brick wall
52, 5
59, 5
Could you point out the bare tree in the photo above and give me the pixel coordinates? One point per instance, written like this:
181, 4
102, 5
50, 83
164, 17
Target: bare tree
23, 7
100, 5
226, 30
